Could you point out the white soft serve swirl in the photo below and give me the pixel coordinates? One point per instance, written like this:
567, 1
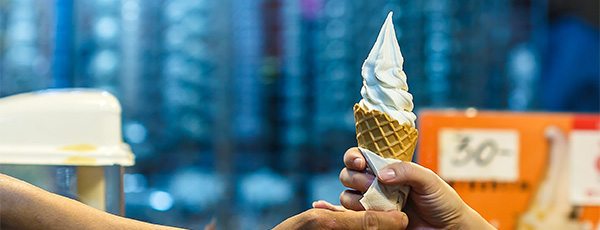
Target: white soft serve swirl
384, 85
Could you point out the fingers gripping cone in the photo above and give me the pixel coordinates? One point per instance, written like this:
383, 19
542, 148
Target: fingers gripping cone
383, 135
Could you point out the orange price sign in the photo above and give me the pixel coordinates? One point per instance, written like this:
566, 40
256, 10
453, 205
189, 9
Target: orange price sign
505, 166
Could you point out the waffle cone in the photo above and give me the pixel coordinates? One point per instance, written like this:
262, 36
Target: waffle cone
378, 132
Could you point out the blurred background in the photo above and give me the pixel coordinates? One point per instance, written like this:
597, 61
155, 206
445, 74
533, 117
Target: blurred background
240, 110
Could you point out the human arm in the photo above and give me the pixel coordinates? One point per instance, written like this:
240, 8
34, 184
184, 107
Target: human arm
432, 203
24, 206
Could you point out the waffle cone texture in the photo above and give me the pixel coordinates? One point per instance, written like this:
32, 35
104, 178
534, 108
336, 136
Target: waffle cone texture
378, 132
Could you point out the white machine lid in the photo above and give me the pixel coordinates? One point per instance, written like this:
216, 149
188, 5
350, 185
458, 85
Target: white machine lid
62, 127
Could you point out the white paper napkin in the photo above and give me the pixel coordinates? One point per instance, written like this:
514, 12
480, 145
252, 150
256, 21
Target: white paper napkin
379, 196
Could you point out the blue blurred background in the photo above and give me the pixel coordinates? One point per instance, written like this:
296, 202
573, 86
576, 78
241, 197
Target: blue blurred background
240, 111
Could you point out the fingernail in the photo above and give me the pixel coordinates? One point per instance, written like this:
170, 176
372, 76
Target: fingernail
358, 163
387, 174
405, 219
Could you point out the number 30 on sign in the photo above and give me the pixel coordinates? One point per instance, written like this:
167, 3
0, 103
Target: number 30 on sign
479, 154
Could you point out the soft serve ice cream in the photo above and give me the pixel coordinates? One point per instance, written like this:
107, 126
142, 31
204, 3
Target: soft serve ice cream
384, 85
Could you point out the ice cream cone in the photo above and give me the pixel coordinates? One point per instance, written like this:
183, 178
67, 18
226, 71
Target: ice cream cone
384, 119
378, 132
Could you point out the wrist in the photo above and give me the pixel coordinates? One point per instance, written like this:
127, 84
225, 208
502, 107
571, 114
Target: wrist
473, 220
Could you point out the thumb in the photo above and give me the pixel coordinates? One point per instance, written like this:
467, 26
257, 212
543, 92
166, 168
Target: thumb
421, 179
326, 205
369, 220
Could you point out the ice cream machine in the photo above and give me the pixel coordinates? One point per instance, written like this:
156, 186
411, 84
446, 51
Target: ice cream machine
66, 141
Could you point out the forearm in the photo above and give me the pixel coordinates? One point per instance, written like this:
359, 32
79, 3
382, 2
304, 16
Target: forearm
24, 206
